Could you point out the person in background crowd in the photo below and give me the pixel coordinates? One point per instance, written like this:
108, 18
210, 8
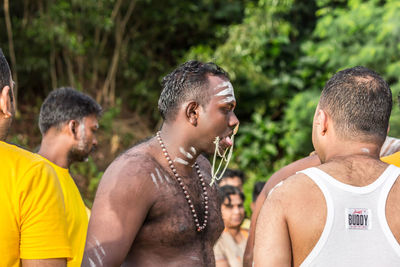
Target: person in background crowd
233, 178
230, 246
33, 230
68, 121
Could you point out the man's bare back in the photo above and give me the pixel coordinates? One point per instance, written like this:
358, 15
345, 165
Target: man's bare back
150, 196
301, 202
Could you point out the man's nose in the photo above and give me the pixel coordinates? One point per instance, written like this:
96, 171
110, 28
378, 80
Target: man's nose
233, 120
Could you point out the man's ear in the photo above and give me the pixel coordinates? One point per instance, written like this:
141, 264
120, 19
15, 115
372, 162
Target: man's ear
5, 102
192, 112
73, 127
322, 121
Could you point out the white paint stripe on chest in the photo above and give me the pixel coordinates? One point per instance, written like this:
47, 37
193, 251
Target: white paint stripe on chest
159, 176
181, 161
193, 150
154, 179
186, 154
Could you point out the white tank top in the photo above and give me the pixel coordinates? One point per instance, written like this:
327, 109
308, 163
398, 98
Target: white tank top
356, 232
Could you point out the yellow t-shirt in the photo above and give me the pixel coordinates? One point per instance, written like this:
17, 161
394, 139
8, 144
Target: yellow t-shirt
77, 218
392, 159
32, 215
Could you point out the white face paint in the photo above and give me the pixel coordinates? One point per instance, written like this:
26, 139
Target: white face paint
181, 161
227, 92
186, 154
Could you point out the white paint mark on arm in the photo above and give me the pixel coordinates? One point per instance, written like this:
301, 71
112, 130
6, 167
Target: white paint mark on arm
276, 186
365, 150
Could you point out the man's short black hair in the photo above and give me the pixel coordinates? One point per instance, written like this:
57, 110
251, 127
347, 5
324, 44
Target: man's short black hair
65, 104
230, 173
187, 82
258, 187
359, 102
226, 191
5, 72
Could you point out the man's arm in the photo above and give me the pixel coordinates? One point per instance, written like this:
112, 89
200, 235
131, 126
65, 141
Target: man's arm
123, 199
272, 241
277, 177
44, 263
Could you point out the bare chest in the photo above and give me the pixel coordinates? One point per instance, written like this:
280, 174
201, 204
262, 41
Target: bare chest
171, 223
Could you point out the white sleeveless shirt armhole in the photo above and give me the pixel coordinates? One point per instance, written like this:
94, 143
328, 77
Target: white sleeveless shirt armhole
311, 173
320, 178
382, 213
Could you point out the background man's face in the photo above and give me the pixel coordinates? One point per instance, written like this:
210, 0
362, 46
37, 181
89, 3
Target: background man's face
233, 181
233, 212
87, 141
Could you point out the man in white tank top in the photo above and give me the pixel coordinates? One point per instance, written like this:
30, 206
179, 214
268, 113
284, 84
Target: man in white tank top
344, 212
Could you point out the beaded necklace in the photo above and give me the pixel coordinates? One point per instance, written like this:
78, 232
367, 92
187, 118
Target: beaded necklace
199, 227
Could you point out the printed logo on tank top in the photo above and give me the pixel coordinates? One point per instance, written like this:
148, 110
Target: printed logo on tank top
358, 218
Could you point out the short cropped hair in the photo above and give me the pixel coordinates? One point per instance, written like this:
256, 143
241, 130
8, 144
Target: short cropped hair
65, 104
230, 173
226, 191
187, 82
5, 72
359, 102
258, 187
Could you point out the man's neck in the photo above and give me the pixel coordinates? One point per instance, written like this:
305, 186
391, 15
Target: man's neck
55, 151
181, 150
350, 149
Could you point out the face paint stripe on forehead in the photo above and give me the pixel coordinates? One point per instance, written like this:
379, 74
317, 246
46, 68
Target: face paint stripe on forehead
228, 90
228, 99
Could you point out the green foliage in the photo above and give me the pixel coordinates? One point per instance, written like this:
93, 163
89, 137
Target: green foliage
87, 172
279, 55
297, 125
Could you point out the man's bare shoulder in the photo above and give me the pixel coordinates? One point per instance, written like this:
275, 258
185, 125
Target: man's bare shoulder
130, 170
296, 188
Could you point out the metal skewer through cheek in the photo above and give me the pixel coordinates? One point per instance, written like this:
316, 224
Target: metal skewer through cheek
223, 159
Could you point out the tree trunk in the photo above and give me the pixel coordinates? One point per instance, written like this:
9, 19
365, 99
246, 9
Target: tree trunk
11, 48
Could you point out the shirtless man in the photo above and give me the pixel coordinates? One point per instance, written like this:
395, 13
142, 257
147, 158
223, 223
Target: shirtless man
154, 205
334, 214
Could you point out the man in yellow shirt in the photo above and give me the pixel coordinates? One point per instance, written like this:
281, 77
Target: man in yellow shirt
32, 217
68, 122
